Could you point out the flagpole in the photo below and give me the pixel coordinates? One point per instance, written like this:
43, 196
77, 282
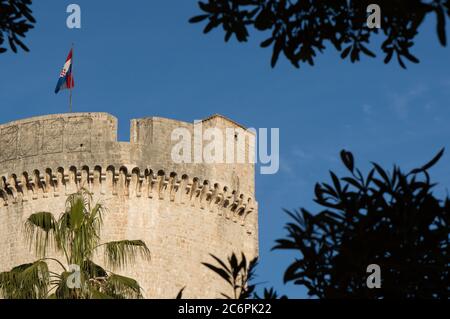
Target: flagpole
71, 84
70, 101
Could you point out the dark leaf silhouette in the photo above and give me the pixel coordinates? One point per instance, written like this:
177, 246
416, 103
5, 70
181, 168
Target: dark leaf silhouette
198, 18
238, 274
429, 164
441, 25
348, 160
269, 294
300, 29
221, 272
16, 20
391, 219
180, 293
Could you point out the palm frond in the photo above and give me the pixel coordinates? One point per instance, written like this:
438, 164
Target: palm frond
96, 216
41, 229
76, 207
27, 281
92, 270
82, 195
119, 253
62, 288
121, 287
96, 294
79, 227
86, 238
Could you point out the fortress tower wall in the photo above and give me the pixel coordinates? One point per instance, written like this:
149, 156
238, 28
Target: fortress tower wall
182, 211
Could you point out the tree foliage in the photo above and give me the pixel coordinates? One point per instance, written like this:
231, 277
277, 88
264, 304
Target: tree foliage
16, 20
269, 294
240, 276
391, 219
237, 273
301, 28
76, 236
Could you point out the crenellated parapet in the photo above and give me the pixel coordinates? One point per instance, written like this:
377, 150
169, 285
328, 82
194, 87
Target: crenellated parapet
129, 183
90, 139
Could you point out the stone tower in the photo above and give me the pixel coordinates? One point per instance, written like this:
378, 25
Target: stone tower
183, 211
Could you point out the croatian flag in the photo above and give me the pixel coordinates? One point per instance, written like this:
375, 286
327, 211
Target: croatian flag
65, 78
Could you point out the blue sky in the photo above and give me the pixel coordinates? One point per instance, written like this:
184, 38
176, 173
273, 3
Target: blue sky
146, 60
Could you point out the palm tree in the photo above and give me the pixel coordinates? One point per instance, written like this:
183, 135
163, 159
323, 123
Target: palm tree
76, 236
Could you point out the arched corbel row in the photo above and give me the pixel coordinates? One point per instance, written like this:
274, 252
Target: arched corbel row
131, 183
